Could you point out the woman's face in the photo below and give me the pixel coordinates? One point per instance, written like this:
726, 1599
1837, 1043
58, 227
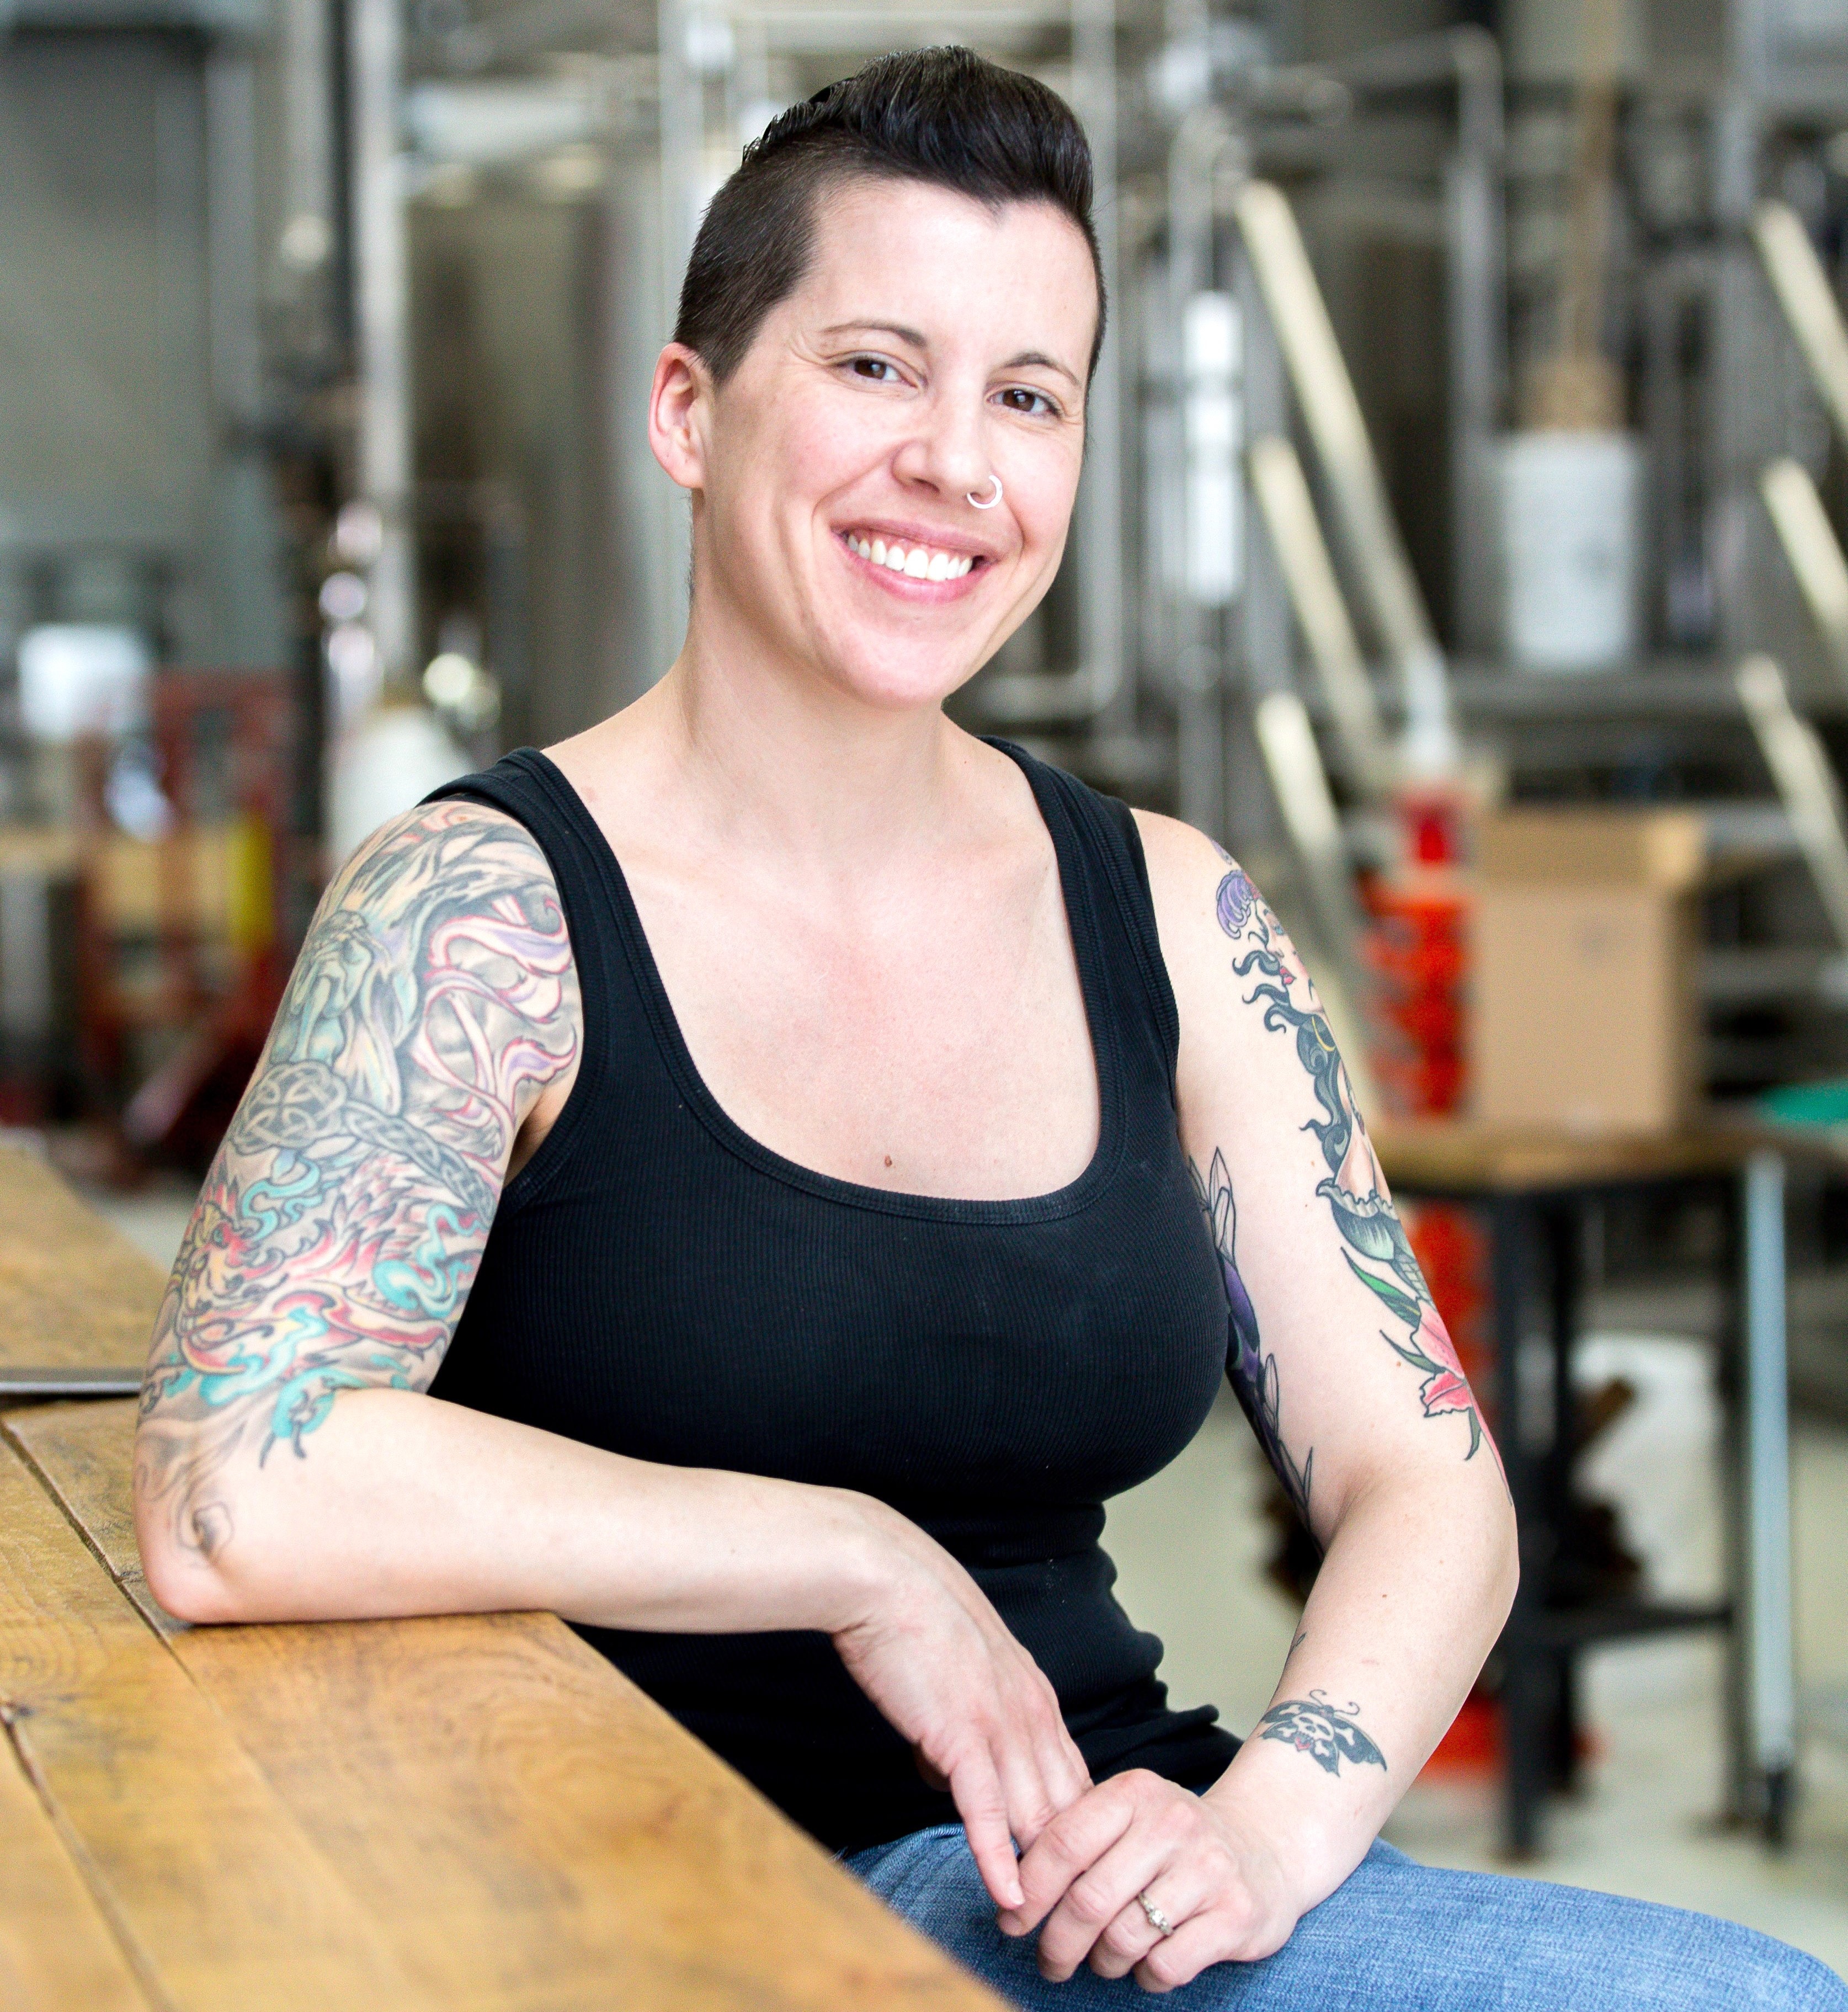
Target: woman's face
933, 346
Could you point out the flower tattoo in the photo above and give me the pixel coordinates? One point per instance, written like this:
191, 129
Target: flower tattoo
1377, 1251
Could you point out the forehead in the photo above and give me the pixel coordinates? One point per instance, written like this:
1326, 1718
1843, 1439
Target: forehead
1018, 275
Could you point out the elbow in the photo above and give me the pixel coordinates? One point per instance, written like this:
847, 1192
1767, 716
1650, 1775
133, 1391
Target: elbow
181, 1542
184, 1581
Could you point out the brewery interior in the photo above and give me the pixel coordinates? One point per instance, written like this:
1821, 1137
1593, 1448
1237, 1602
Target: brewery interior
1461, 544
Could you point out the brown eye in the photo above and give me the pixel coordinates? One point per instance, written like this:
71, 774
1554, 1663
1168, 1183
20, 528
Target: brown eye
1017, 398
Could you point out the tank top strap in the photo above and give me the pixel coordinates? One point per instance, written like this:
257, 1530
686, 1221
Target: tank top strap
1110, 845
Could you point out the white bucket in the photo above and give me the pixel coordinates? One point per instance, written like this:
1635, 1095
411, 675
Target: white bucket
1569, 539
386, 762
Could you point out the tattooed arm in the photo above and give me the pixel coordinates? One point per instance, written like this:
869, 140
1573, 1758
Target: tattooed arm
1354, 1392
429, 1033
290, 1464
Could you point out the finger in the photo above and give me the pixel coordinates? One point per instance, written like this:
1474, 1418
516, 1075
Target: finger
1178, 1959
981, 1805
1030, 1803
1125, 1943
1143, 1861
1069, 1847
1063, 1766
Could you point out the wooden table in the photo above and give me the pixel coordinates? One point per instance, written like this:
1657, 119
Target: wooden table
474, 1812
1533, 1188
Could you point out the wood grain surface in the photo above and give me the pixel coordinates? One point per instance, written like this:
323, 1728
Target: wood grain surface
216, 1895
74, 1292
1461, 1158
57, 1953
526, 1828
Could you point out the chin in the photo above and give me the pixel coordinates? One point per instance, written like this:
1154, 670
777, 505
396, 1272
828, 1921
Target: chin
903, 680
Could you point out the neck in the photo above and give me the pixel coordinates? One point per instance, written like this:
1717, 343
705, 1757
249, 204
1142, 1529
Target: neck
770, 757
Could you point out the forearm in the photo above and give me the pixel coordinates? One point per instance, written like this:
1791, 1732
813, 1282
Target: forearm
411, 1505
1416, 1582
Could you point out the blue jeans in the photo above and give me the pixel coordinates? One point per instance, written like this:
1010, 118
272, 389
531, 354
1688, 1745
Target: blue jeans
1397, 1937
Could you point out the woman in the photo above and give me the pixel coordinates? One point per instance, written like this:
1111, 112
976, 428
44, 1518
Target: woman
883, 1162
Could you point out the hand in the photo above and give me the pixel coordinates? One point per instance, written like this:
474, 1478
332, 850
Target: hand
1210, 1870
932, 1654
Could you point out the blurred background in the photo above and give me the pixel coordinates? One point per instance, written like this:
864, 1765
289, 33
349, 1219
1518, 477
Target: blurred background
1460, 543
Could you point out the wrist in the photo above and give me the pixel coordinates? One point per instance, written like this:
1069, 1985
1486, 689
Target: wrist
868, 1560
1316, 1839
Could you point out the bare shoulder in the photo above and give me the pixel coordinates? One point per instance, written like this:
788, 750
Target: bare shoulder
1181, 860
1204, 901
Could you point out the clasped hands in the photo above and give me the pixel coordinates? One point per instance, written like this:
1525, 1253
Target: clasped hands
932, 1653
1214, 1878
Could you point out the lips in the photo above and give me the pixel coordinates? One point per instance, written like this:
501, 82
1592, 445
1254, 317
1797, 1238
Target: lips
916, 560
908, 554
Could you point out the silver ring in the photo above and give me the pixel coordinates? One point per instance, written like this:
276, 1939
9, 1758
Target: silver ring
1158, 1920
969, 496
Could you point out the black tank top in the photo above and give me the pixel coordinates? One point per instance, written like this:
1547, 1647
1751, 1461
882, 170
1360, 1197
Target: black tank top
659, 1283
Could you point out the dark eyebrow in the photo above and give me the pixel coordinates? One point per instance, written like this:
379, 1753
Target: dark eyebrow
1027, 359
907, 335
1032, 359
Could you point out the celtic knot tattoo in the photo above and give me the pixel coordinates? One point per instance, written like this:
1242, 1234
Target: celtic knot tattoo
344, 1217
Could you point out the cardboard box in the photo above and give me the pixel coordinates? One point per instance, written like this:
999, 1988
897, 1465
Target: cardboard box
1584, 1004
1593, 848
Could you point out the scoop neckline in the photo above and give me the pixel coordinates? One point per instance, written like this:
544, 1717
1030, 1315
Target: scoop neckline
1081, 921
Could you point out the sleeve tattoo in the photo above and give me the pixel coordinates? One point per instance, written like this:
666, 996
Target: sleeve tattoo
340, 1226
1374, 1243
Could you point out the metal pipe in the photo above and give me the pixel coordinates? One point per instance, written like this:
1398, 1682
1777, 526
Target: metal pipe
1475, 287
308, 136
1077, 695
1771, 1687
1809, 302
376, 59
1815, 553
1289, 513
1799, 766
1331, 412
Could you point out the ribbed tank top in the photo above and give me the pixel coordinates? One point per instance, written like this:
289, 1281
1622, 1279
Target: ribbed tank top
659, 1283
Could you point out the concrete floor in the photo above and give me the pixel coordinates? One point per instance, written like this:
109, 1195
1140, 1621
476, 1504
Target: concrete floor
1190, 1545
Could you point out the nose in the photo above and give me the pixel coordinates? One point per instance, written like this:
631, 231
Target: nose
947, 456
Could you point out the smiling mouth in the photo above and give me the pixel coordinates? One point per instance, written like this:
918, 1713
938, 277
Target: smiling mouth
915, 562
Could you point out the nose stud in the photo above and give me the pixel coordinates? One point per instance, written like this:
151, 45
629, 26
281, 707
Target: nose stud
975, 503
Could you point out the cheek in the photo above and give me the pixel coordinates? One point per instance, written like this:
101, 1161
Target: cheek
1042, 489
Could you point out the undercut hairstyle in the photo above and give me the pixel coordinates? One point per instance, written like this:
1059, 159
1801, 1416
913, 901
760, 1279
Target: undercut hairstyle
944, 116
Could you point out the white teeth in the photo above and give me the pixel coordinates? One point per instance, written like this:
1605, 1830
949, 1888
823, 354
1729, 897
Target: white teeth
918, 563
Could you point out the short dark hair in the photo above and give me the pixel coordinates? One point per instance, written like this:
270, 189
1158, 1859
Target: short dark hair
946, 116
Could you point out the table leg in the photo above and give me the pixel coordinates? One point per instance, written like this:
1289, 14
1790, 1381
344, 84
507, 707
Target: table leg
1526, 1676
1565, 1251
1771, 1687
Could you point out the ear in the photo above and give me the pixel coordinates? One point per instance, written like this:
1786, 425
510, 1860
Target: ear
678, 402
